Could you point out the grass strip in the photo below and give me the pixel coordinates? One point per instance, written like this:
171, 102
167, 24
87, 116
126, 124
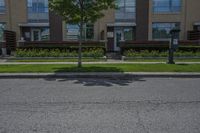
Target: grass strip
99, 68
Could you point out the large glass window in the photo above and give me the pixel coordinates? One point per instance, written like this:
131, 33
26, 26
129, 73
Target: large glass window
45, 34
196, 27
2, 6
38, 34
89, 31
166, 6
126, 10
162, 30
128, 34
73, 32
38, 10
38, 6
2, 27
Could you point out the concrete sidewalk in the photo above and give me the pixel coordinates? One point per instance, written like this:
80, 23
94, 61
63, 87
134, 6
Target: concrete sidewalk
122, 75
113, 62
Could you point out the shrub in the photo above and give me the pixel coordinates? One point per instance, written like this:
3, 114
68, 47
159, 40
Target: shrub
154, 53
89, 52
92, 52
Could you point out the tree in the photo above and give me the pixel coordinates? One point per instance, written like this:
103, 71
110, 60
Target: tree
81, 12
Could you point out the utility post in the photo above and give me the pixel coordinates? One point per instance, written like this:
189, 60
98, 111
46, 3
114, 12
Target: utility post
3, 51
174, 42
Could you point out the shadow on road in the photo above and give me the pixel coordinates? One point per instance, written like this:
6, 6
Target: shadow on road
98, 80
106, 82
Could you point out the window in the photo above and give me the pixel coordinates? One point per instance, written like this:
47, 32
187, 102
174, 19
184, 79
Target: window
38, 34
2, 6
166, 6
45, 34
73, 32
128, 34
2, 27
162, 30
38, 10
126, 10
89, 31
38, 6
196, 27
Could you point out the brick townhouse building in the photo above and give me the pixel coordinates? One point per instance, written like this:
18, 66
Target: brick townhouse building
138, 20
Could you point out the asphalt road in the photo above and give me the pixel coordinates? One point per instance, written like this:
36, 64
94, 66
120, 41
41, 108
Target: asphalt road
140, 105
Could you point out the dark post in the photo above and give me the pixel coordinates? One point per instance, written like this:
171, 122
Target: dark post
3, 44
173, 45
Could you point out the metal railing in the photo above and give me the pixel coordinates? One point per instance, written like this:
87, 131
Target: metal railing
38, 17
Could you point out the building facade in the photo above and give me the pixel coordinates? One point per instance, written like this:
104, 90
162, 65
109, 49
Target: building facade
28, 18
139, 20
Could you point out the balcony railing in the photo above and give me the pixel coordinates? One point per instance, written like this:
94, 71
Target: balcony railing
38, 17
125, 17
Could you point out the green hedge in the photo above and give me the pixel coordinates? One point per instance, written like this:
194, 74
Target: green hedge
90, 52
154, 53
159, 48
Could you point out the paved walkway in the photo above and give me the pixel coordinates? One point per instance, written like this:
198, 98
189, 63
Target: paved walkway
109, 61
113, 62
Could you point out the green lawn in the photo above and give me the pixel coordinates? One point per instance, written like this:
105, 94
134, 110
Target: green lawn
100, 68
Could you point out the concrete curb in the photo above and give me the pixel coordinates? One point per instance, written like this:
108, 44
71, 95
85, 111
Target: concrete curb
124, 75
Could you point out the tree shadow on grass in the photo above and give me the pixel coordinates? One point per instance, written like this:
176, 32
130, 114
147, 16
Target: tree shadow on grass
88, 69
97, 80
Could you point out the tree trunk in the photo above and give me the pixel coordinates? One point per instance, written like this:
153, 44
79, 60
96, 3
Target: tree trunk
80, 46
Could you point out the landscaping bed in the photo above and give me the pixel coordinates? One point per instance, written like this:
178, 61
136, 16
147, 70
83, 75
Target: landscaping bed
157, 56
158, 46
87, 52
154, 53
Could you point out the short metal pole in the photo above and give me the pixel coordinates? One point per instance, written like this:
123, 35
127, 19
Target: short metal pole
171, 53
171, 56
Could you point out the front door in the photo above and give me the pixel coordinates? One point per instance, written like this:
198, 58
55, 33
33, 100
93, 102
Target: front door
119, 35
35, 35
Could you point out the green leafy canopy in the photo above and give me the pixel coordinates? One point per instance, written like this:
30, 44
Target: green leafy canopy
76, 11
